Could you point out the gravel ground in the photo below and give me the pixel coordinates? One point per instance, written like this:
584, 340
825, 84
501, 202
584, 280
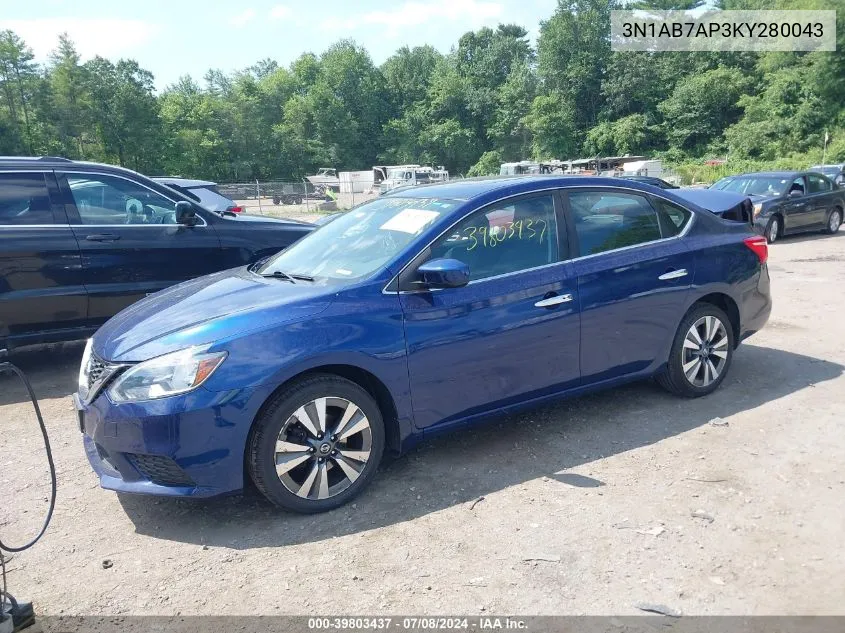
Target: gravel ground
730, 504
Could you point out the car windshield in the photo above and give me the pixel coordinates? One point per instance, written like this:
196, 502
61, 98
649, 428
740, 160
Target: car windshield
359, 242
829, 170
758, 185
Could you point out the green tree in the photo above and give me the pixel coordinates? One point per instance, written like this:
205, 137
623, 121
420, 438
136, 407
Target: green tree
552, 123
125, 112
70, 100
488, 165
18, 84
573, 51
702, 106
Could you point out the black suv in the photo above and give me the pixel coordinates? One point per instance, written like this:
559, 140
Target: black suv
81, 241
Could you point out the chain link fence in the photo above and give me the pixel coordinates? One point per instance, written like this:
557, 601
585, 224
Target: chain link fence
299, 198
305, 199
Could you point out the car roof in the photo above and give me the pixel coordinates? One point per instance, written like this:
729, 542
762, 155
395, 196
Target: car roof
58, 162
770, 174
187, 183
471, 188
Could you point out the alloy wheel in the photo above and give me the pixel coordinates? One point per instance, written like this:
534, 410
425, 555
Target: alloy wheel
323, 448
705, 351
774, 227
834, 221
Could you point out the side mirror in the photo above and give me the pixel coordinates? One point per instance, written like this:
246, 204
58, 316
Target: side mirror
443, 273
795, 193
185, 213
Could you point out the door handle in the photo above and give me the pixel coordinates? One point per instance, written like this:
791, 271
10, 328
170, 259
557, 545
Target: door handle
102, 237
673, 274
550, 302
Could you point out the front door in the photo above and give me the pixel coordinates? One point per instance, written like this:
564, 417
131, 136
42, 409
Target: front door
512, 333
633, 279
798, 207
130, 242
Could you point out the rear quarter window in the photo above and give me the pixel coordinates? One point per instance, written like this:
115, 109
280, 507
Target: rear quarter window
24, 200
672, 217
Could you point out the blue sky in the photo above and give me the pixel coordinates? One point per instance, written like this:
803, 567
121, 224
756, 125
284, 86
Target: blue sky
176, 37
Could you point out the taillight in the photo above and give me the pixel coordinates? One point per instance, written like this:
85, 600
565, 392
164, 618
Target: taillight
235, 209
759, 246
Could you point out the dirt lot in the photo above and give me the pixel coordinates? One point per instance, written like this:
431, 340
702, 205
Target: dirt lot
586, 507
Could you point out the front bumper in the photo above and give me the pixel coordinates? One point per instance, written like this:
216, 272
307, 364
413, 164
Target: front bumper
185, 446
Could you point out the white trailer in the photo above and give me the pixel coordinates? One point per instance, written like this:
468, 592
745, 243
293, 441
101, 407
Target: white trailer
356, 181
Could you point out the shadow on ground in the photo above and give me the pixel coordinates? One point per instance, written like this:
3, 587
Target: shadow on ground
507, 451
52, 370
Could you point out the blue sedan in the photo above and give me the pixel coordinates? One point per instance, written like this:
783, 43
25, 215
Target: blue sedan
416, 313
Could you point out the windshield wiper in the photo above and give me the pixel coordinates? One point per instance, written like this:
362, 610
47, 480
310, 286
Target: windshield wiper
278, 274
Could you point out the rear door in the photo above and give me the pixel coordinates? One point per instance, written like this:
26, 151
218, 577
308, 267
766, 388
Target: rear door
41, 285
634, 275
130, 242
820, 198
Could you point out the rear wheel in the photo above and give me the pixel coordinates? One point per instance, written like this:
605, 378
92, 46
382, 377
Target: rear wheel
701, 353
317, 445
773, 230
834, 221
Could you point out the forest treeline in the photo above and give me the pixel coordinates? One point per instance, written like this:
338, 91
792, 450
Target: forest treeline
492, 98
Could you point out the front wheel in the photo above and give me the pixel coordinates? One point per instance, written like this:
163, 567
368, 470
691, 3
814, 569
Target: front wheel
701, 353
834, 221
773, 230
317, 445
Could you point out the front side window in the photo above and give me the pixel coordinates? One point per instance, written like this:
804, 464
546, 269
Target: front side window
361, 241
605, 221
24, 200
817, 184
504, 238
108, 200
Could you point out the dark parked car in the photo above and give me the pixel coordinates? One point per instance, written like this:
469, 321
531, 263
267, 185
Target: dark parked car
835, 172
651, 180
204, 192
415, 313
787, 202
81, 241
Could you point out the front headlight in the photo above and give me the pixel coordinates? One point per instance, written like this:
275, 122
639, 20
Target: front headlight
758, 208
166, 375
83, 369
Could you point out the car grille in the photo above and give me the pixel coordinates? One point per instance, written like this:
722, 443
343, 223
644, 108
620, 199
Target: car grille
160, 470
96, 369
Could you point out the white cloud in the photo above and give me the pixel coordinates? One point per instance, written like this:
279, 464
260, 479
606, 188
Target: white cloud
280, 11
470, 13
108, 37
242, 18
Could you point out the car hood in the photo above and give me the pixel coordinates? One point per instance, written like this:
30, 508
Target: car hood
266, 219
714, 200
206, 310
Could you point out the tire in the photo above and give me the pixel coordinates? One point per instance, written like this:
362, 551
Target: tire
774, 229
326, 473
276, 199
834, 221
675, 379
